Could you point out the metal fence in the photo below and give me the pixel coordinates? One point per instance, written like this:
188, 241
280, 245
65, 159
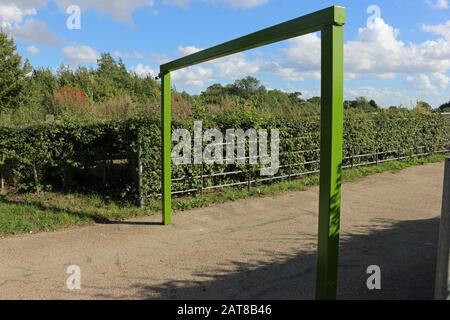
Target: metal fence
252, 179
291, 169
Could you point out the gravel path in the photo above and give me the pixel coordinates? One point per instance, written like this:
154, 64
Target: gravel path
255, 248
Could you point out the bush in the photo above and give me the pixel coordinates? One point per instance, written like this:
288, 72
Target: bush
103, 156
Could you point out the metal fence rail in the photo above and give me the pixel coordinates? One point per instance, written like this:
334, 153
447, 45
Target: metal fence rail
251, 179
199, 181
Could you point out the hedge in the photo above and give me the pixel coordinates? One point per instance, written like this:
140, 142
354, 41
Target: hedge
103, 157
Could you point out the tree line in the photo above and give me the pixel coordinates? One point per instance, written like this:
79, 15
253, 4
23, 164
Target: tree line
31, 95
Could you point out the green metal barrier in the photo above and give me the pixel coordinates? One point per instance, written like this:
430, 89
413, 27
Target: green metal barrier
330, 22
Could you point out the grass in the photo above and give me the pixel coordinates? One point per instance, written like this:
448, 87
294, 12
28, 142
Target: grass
45, 211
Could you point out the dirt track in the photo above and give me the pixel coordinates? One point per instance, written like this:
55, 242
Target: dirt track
255, 248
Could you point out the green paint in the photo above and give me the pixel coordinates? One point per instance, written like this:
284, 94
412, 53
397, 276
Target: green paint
330, 22
332, 115
312, 22
166, 121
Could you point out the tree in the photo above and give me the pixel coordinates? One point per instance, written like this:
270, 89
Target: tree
247, 87
65, 76
295, 97
423, 107
10, 73
214, 93
361, 103
314, 101
37, 87
445, 107
373, 104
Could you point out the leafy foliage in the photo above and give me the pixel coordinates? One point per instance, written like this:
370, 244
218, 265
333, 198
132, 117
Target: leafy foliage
445, 107
11, 73
83, 129
102, 156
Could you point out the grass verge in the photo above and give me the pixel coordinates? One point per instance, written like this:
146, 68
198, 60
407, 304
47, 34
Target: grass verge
27, 213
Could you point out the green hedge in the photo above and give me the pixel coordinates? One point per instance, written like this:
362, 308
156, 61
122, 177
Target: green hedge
103, 156
52, 155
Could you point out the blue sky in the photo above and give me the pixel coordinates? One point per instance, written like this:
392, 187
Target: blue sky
396, 57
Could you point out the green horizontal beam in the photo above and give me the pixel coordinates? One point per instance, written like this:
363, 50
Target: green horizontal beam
330, 22
297, 27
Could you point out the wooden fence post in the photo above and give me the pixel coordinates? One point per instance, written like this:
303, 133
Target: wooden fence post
2, 184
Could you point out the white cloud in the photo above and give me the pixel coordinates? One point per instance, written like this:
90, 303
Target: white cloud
439, 29
80, 54
287, 73
236, 66
143, 70
11, 13
138, 55
120, 10
307, 57
15, 11
441, 80
420, 82
230, 67
33, 50
35, 32
129, 55
197, 76
299, 60
439, 4
185, 51
378, 52
179, 3
384, 96
375, 53
245, 3
424, 83
15, 19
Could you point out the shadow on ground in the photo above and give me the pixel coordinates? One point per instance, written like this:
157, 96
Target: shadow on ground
404, 250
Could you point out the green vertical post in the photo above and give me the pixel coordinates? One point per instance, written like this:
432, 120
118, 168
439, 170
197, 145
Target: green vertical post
332, 113
166, 133
331, 22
